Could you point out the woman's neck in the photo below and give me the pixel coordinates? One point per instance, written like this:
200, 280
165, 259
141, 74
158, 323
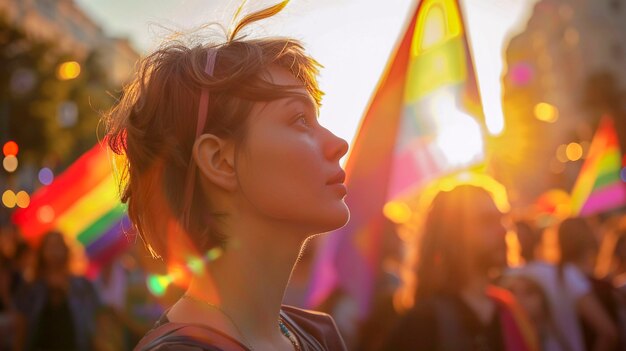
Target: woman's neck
248, 280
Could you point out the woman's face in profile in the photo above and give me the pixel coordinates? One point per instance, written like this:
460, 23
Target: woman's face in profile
288, 166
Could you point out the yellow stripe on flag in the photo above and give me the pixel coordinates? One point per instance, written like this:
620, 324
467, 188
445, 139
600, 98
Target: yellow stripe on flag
89, 208
438, 55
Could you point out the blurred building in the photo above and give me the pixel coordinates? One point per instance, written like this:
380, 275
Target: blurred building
569, 52
75, 33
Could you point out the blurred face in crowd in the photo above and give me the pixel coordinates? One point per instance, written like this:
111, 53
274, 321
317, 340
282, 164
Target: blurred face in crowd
486, 232
55, 250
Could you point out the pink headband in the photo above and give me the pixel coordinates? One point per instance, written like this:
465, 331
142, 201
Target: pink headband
203, 107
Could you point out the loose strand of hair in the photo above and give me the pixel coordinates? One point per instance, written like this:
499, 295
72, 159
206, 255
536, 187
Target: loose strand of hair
256, 16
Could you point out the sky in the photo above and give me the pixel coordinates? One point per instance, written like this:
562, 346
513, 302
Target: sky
351, 38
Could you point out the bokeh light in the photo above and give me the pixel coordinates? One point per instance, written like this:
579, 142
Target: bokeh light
195, 265
68, 70
397, 212
67, 114
22, 81
22, 199
10, 148
561, 153
157, 283
9, 199
574, 151
10, 163
622, 174
45, 214
45, 176
521, 73
546, 112
214, 254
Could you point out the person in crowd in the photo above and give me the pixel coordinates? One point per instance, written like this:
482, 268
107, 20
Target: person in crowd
619, 258
58, 309
578, 247
529, 238
12, 250
535, 303
454, 304
129, 309
225, 152
570, 297
618, 278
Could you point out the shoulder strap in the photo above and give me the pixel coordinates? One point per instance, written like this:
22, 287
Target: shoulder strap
188, 334
305, 337
156, 336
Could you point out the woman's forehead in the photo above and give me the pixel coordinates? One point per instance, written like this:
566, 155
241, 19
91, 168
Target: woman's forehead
280, 76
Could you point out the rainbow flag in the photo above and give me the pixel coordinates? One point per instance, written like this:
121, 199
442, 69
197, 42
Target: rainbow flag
83, 204
424, 120
599, 187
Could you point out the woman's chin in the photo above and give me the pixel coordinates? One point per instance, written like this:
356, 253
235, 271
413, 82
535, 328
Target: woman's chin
337, 219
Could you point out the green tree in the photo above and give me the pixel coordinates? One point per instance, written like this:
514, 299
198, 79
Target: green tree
34, 100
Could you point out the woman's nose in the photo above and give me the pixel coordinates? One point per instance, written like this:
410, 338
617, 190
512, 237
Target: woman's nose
336, 147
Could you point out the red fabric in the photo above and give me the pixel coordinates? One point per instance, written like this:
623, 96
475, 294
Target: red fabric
518, 334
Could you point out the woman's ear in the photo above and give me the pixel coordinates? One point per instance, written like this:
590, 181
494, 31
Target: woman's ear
215, 158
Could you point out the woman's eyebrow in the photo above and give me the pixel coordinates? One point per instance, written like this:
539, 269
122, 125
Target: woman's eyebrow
304, 99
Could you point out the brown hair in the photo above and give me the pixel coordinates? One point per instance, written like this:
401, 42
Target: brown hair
576, 238
445, 256
154, 123
441, 256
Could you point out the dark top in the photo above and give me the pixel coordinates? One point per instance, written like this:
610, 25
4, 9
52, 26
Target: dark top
606, 295
82, 304
55, 329
445, 324
314, 331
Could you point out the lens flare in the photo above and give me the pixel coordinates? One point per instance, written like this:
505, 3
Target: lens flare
157, 283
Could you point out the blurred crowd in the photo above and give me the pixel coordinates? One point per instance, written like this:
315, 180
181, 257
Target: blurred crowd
44, 305
566, 290
454, 287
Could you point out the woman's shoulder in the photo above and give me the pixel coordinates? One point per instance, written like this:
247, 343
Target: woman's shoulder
170, 336
309, 317
317, 329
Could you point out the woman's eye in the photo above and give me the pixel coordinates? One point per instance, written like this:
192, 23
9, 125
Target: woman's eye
302, 120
